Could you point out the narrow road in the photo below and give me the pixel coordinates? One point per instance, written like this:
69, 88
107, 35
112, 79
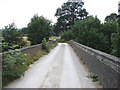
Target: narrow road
61, 68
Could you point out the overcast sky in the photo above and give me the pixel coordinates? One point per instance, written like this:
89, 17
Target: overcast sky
21, 11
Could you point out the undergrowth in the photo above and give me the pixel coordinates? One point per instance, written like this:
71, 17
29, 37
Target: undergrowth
15, 63
13, 66
94, 77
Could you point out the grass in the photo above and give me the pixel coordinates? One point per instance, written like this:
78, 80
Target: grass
93, 76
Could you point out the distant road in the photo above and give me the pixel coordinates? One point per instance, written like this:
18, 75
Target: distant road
61, 68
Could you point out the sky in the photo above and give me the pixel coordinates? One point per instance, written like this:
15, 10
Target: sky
21, 11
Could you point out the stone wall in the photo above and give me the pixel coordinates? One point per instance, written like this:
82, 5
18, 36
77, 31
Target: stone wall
106, 66
31, 50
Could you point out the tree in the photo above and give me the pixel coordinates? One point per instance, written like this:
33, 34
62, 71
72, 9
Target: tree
68, 35
112, 17
39, 28
24, 31
68, 14
56, 29
108, 28
11, 34
87, 23
92, 38
87, 32
116, 41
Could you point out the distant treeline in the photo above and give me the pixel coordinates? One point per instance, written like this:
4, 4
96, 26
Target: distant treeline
73, 22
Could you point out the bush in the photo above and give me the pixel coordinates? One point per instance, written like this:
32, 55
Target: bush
94, 77
22, 44
13, 66
5, 47
44, 45
68, 35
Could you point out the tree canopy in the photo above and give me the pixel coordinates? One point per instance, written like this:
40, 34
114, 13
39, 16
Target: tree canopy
24, 31
39, 28
68, 14
87, 32
87, 23
115, 39
11, 34
112, 17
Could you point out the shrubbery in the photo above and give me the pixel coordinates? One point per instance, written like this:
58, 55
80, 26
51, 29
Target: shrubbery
7, 46
13, 66
14, 63
44, 45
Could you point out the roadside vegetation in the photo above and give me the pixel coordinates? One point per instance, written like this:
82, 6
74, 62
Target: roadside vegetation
14, 63
13, 66
73, 22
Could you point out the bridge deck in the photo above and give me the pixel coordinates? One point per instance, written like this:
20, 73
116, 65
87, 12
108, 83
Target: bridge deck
61, 68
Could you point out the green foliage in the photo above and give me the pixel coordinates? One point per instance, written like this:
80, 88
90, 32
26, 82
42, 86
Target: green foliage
13, 66
12, 38
24, 31
87, 32
68, 14
92, 38
39, 28
21, 44
108, 28
85, 24
92, 33
11, 34
5, 47
57, 30
2, 39
68, 35
115, 39
111, 18
44, 45
94, 77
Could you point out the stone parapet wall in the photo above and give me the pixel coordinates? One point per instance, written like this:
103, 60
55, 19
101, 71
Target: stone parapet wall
106, 66
31, 50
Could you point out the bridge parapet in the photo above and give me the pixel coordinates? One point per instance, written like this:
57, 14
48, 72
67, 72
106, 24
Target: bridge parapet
105, 65
112, 61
